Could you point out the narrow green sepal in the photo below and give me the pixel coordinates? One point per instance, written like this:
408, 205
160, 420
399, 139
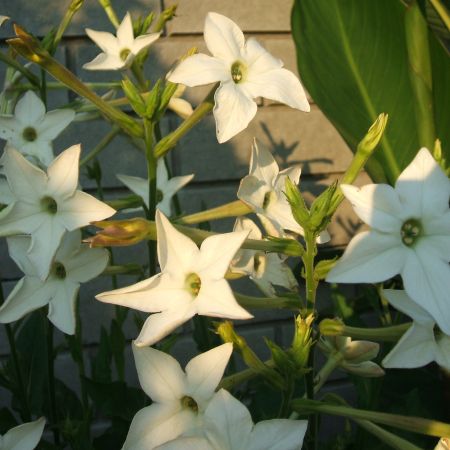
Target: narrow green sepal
323, 267
153, 100
298, 205
134, 97
321, 211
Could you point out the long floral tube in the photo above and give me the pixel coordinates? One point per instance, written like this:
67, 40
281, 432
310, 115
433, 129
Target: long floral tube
408, 423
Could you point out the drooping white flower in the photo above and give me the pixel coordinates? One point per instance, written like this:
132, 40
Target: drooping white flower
191, 282
73, 264
179, 398
31, 130
118, 51
46, 205
265, 269
228, 425
245, 71
409, 235
23, 437
423, 342
166, 188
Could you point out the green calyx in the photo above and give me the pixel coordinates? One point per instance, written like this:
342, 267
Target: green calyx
49, 205
29, 134
411, 231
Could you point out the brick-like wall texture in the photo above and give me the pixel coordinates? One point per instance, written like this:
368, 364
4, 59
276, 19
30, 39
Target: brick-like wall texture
294, 137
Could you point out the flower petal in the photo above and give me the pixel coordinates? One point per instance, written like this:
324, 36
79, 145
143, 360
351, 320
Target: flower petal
28, 294
160, 375
63, 173
25, 436
233, 110
159, 325
205, 371
278, 434
263, 165
370, 257
86, 264
61, 309
20, 217
157, 424
443, 351
29, 109
216, 299
137, 185
200, 69
9, 127
377, 205
228, 422
416, 348
187, 443
401, 301
27, 182
423, 186
106, 41
216, 253
259, 59
179, 106
18, 250
280, 85
38, 152
176, 252
81, 209
155, 294
54, 122
144, 41
426, 279
223, 37
125, 34
105, 61
252, 191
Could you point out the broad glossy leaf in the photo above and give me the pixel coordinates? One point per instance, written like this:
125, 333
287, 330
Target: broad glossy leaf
352, 57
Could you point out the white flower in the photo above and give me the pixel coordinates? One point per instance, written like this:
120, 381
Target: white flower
229, 426
31, 130
166, 188
410, 236
179, 105
73, 264
422, 343
46, 205
6, 196
245, 71
118, 52
3, 19
179, 399
191, 282
23, 437
265, 269
443, 444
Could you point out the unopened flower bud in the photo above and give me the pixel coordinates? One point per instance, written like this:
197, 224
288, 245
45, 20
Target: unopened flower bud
302, 341
331, 327
374, 134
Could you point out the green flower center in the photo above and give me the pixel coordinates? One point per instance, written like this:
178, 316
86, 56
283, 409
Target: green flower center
189, 403
238, 71
59, 271
159, 195
124, 53
193, 284
49, 205
411, 231
268, 197
29, 134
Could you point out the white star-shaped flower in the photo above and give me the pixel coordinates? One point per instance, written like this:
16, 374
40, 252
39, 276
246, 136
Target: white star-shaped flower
265, 269
166, 188
46, 205
409, 235
245, 71
73, 264
31, 130
191, 282
118, 52
23, 437
423, 342
179, 399
228, 425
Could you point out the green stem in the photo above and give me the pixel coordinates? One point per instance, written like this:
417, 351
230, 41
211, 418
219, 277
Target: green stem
409, 423
51, 381
308, 262
33, 79
442, 11
74, 6
125, 269
327, 369
286, 398
112, 16
168, 142
238, 378
57, 85
106, 140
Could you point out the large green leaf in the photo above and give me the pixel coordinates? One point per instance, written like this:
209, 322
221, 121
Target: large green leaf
353, 60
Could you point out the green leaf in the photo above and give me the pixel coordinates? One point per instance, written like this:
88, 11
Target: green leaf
353, 60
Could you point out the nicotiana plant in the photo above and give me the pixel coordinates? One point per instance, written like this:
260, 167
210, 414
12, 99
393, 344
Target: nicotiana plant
227, 397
